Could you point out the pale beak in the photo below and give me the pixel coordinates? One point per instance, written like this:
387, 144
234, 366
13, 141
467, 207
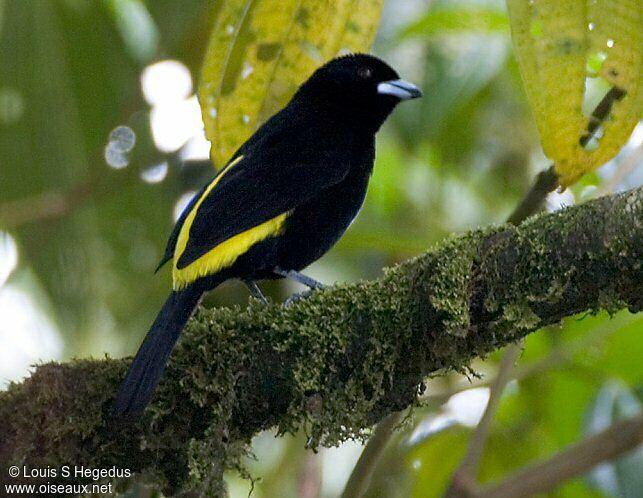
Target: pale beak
401, 89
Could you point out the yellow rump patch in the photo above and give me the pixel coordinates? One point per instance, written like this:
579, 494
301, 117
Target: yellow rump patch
227, 252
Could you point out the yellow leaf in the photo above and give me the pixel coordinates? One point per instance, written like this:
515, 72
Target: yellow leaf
554, 41
260, 51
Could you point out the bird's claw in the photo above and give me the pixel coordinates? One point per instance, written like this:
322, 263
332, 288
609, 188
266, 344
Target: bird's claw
298, 296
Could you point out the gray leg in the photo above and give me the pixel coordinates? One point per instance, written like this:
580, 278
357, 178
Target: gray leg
309, 282
255, 291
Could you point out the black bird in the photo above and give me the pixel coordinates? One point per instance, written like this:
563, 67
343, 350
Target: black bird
283, 200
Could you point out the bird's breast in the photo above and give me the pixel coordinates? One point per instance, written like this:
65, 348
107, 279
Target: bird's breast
314, 227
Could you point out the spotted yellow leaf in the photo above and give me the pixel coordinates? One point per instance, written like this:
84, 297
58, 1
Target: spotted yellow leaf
260, 51
556, 43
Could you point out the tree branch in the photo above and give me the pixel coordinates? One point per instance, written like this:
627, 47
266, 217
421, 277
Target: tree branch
361, 475
559, 357
337, 362
546, 182
466, 474
45, 206
572, 462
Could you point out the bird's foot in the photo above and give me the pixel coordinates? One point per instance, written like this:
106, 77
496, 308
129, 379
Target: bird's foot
309, 282
298, 296
255, 291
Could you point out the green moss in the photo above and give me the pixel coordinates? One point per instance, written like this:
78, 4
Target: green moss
521, 316
334, 364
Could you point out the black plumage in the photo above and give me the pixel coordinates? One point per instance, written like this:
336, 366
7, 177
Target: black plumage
284, 199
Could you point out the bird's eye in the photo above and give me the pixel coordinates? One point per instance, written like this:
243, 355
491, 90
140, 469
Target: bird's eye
365, 72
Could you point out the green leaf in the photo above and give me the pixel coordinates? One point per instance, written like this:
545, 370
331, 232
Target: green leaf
621, 478
553, 42
260, 51
621, 356
434, 461
456, 20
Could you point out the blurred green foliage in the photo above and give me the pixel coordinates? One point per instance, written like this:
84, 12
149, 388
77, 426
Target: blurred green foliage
89, 235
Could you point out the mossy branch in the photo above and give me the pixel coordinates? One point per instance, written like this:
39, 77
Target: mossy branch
337, 362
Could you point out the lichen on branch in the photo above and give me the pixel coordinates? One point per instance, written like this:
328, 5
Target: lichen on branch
337, 362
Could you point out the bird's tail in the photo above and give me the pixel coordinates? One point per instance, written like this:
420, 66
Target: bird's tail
145, 371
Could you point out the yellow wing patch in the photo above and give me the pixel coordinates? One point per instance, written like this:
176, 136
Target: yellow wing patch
226, 253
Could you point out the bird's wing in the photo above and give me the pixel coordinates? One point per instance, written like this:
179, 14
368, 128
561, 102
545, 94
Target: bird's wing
253, 194
174, 235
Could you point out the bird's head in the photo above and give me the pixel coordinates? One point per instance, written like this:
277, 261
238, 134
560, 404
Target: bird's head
360, 87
